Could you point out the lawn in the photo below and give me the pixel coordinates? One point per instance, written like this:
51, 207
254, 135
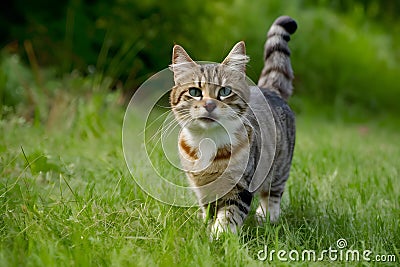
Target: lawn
68, 199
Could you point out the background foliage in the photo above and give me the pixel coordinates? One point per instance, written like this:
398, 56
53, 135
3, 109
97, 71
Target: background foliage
345, 52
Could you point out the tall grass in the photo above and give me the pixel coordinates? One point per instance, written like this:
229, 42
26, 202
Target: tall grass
67, 198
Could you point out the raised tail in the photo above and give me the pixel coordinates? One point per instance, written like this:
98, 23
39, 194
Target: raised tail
277, 74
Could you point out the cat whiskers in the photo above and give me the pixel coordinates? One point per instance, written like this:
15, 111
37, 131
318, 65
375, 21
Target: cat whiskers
154, 121
163, 131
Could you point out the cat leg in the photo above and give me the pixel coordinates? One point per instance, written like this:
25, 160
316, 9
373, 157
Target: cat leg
231, 213
270, 202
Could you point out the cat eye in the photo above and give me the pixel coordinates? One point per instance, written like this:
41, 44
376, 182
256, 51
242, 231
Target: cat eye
195, 92
224, 91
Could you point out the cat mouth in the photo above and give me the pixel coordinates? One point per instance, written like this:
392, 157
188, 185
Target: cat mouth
206, 119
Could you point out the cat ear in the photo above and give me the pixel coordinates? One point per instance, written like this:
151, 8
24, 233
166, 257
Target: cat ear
237, 58
181, 62
180, 56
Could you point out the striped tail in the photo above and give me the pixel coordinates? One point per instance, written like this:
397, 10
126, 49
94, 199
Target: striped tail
277, 74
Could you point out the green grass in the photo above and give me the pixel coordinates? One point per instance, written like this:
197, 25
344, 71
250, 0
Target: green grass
67, 198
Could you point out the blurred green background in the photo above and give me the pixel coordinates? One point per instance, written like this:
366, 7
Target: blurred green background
345, 53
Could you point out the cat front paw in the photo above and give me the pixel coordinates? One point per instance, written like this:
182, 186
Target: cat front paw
218, 229
224, 223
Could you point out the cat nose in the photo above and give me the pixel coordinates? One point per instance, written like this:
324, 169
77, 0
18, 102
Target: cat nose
210, 105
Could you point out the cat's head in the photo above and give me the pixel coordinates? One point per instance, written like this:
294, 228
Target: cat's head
209, 95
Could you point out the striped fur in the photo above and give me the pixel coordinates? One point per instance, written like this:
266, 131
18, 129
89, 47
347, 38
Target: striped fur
219, 144
277, 74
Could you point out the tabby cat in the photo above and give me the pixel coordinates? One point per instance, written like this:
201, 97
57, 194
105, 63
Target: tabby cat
220, 140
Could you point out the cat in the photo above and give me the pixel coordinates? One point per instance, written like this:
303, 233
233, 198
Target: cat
220, 141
